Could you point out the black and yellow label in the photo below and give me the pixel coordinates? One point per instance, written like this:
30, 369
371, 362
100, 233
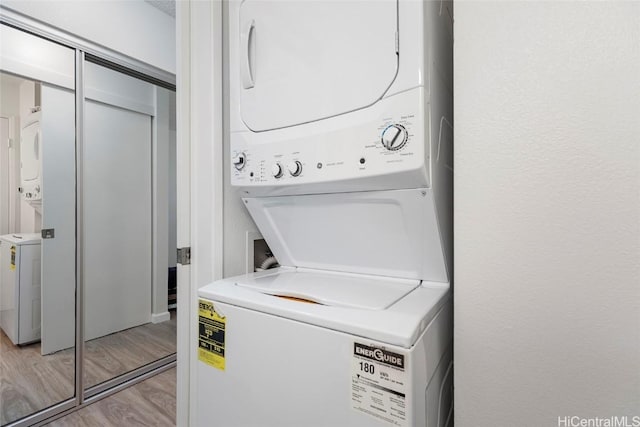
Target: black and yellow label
12, 266
212, 329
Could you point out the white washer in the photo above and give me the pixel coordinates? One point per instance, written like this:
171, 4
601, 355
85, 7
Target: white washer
20, 287
341, 144
374, 352
280, 348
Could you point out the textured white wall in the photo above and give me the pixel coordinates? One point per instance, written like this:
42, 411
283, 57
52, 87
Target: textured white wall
9, 97
9, 107
547, 211
133, 28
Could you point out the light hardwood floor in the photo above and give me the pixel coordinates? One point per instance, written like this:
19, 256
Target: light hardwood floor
30, 382
149, 403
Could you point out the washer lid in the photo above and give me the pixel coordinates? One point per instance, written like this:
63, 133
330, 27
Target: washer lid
379, 233
302, 61
400, 324
22, 238
333, 289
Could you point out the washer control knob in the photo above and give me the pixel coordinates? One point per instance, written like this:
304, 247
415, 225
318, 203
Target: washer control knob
295, 168
239, 161
276, 170
394, 137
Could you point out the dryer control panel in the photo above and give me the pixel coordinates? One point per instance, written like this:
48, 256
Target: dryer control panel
358, 155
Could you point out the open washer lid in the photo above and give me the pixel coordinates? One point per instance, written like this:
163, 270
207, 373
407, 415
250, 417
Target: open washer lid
333, 289
379, 233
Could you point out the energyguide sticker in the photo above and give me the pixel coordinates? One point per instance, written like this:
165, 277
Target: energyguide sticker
212, 329
379, 383
12, 265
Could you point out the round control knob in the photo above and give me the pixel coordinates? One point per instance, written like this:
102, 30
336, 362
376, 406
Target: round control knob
276, 170
239, 161
295, 168
394, 137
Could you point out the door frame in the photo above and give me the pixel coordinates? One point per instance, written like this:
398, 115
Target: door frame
5, 179
199, 177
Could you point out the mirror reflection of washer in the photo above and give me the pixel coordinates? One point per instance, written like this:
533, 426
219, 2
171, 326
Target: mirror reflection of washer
20, 284
344, 103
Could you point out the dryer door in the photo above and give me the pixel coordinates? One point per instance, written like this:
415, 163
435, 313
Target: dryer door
301, 61
30, 153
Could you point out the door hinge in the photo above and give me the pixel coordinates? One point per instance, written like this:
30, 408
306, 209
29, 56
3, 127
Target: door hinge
48, 233
184, 256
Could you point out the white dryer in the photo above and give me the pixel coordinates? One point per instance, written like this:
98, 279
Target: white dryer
341, 146
20, 287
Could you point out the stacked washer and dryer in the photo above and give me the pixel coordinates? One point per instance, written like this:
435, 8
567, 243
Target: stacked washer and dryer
31, 160
341, 146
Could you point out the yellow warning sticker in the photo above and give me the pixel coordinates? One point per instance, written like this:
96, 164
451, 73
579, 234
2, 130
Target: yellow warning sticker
12, 265
212, 327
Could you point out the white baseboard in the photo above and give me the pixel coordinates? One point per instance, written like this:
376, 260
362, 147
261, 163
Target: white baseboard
160, 317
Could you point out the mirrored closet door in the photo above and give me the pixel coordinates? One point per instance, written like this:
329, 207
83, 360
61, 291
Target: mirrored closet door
37, 224
128, 140
87, 225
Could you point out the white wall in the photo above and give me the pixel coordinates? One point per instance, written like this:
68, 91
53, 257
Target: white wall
9, 96
9, 111
547, 211
133, 28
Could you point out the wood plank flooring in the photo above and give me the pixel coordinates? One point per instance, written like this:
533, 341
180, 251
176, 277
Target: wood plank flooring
149, 403
30, 382
115, 354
